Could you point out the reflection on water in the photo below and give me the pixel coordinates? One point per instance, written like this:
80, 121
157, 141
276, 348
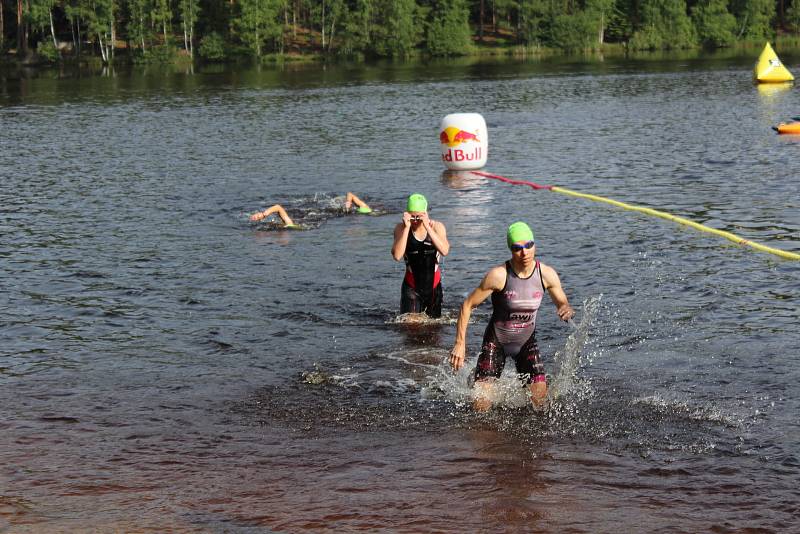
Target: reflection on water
772, 90
180, 368
462, 180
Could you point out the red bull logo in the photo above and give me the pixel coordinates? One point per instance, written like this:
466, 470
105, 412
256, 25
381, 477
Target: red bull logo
453, 137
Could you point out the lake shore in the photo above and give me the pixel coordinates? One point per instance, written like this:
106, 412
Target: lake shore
306, 52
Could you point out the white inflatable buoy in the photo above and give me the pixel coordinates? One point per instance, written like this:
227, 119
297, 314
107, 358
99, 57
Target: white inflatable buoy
465, 141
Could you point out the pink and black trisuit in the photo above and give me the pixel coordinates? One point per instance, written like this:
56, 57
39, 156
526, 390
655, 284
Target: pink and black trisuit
512, 329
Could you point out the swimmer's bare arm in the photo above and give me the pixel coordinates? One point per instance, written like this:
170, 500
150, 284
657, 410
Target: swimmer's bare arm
438, 234
277, 208
401, 237
494, 280
553, 286
352, 199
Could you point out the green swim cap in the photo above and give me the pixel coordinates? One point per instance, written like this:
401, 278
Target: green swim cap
364, 209
519, 231
417, 202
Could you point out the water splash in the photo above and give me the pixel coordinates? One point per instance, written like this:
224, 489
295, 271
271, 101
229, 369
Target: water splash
308, 212
507, 391
419, 357
458, 388
569, 360
424, 319
415, 387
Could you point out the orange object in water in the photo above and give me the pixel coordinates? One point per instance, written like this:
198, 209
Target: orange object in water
787, 128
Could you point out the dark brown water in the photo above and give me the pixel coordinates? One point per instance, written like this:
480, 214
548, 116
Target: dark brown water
166, 365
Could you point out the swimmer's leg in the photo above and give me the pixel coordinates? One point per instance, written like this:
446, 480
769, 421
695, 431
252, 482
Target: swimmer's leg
433, 302
490, 365
484, 395
529, 365
409, 299
538, 389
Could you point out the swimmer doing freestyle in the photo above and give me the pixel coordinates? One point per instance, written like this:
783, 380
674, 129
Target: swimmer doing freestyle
350, 202
421, 242
516, 287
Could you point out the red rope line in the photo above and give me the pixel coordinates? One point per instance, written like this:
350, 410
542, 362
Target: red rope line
510, 181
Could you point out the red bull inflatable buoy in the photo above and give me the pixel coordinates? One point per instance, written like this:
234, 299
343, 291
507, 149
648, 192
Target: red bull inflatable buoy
464, 140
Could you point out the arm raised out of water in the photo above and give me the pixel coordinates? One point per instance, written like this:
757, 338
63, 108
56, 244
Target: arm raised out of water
277, 208
351, 199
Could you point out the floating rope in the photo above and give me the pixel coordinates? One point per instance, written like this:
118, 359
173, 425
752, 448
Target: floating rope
648, 211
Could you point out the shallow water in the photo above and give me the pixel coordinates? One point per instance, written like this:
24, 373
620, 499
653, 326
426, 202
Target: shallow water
168, 365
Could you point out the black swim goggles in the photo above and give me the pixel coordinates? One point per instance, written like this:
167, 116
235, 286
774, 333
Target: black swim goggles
518, 248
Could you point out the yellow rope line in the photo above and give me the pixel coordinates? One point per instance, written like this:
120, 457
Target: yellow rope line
680, 220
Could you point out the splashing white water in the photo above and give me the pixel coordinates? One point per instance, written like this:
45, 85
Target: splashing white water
507, 391
569, 360
423, 319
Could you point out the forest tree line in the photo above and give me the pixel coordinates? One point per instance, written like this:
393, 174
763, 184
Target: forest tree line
216, 29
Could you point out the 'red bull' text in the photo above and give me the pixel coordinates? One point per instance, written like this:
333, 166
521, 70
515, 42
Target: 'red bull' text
456, 154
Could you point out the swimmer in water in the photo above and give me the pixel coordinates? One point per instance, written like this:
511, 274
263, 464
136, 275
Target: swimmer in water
351, 201
421, 242
277, 208
516, 288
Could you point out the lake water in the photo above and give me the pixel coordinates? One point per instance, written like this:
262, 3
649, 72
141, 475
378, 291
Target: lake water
167, 365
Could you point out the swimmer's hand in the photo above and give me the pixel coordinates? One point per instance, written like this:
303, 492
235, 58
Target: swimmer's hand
457, 357
407, 219
257, 216
565, 312
426, 221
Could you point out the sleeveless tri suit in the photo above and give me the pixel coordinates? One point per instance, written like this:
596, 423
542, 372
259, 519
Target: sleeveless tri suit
422, 285
512, 328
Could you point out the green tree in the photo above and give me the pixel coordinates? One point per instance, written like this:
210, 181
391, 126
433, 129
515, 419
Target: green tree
257, 23
99, 16
536, 21
395, 29
619, 25
355, 34
504, 12
574, 32
715, 25
137, 28
601, 13
793, 16
327, 15
40, 16
77, 13
212, 47
754, 18
664, 24
448, 32
189, 10
161, 15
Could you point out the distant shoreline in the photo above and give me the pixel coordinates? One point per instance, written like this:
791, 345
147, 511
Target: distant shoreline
178, 57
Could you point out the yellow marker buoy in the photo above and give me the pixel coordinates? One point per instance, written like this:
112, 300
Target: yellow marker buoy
769, 68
